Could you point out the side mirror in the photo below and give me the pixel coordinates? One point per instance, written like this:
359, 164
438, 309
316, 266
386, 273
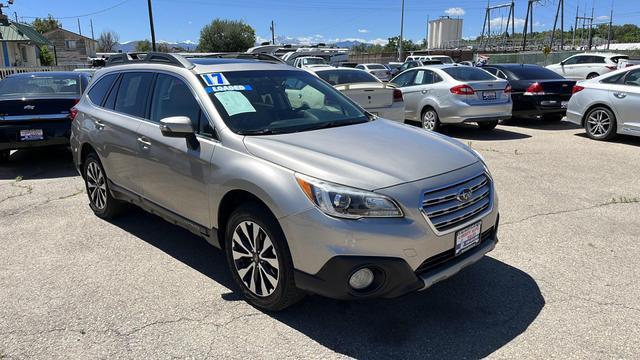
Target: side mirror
176, 126
561, 63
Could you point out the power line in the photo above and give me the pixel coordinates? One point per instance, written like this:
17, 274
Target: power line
83, 15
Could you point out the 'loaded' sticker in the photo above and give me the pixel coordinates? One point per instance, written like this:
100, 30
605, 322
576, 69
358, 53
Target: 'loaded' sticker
211, 89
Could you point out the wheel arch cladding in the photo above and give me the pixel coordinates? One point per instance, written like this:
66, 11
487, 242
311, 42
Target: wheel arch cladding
85, 150
233, 200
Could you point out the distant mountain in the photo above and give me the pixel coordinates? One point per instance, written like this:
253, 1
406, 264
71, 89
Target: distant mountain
130, 46
348, 44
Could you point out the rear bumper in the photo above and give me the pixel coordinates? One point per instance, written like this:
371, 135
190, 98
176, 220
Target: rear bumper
54, 133
395, 112
461, 112
533, 106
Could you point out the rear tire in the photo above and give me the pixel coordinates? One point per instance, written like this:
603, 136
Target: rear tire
600, 124
259, 258
552, 117
4, 156
103, 204
488, 125
592, 75
430, 120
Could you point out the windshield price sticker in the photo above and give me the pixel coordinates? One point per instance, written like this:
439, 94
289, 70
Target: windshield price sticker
211, 89
215, 79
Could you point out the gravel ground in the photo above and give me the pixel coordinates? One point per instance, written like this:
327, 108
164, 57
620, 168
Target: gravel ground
562, 283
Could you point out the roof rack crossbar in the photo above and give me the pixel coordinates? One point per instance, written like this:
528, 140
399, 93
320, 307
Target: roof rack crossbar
150, 58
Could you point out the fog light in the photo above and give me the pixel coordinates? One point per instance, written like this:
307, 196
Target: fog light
361, 279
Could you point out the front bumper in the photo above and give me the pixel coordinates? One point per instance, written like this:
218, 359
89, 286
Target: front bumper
55, 132
394, 277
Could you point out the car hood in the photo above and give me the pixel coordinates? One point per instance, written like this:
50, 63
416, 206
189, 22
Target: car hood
368, 156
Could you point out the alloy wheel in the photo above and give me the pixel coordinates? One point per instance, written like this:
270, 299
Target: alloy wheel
255, 259
96, 185
599, 123
429, 120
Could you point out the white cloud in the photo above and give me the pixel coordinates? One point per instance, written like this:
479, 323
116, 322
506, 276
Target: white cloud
505, 24
455, 11
363, 31
602, 17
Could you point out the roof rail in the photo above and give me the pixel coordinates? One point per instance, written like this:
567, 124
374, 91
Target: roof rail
258, 56
150, 58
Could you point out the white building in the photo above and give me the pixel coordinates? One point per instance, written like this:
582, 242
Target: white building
444, 33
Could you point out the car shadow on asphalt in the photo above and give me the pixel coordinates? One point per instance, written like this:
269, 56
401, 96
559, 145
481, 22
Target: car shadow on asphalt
540, 124
620, 139
42, 163
472, 132
470, 315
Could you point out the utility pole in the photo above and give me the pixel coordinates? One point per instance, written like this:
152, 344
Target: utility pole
575, 27
153, 32
590, 30
401, 33
79, 28
273, 33
610, 32
559, 12
91, 22
15, 14
426, 34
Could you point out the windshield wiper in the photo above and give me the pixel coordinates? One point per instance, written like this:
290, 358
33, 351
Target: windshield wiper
331, 124
265, 131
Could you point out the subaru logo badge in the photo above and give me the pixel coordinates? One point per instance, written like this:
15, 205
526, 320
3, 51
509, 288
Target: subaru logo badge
464, 195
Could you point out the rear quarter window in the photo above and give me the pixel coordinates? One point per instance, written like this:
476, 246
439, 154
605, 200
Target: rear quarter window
98, 92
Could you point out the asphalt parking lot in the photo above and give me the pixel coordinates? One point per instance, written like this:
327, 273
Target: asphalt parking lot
564, 281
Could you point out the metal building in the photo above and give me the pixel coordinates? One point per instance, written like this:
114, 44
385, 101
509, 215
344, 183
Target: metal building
445, 33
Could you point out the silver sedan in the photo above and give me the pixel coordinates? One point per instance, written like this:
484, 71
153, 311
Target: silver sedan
607, 105
453, 94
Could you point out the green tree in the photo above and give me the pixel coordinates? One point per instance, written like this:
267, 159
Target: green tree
143, 45
45, 25
163, 47
46, 57
226, 35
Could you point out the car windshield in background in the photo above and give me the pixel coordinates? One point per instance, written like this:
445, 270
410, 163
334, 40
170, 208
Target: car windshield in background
376, 67
465, 73
615, 59
40, 85
444, 60
314, 61
279, 101
534, 73
338, 77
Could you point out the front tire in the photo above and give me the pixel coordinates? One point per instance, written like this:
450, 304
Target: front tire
600, 124
259, 258
103, 204
488, 125
430, 120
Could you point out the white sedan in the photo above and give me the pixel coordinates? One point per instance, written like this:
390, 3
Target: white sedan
377, 70
607, 105
366, 90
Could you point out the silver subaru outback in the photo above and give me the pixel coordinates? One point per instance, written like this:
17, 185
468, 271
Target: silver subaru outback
303, 190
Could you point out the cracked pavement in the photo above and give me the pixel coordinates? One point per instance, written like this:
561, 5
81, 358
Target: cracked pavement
562, 283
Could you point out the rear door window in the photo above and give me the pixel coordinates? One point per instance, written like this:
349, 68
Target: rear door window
99, 91
404, 79
133, 93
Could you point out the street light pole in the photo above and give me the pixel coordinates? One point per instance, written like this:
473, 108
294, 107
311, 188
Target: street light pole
153, 32
401, 33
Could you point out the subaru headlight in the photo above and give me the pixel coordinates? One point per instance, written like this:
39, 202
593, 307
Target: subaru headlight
345, 202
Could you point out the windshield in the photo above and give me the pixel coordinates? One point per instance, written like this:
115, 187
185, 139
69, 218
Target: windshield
279, 101
465, 73
338, 77
376, 67
443, 59
41, 85
534, 73
313, 61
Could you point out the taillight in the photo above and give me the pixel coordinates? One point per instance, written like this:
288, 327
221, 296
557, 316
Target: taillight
508, 89
577, 88
612, 67
462, 90
73, 112
397, 95
534, 89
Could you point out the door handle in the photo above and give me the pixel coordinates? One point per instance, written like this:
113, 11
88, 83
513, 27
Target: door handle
99, 124
144, 142
424, 91
620, 95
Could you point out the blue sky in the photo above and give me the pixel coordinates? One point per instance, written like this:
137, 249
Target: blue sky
315, 21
